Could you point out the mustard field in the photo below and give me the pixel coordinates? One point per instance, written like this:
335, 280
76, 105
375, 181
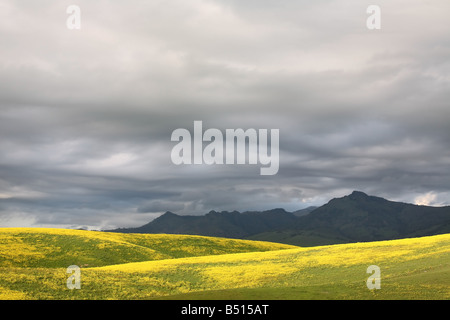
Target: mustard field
33, 265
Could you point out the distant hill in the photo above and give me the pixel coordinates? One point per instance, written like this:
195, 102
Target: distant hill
357, 217
304, 212
219, 224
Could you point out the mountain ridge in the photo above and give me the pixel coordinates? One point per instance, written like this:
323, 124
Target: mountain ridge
356, 217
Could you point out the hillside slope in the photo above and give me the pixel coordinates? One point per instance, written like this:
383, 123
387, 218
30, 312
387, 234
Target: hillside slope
45, 247
415, 268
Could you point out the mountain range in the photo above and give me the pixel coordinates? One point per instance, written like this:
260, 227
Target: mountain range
357, 217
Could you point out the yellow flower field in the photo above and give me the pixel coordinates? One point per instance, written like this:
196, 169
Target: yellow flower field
174, 265
256, 269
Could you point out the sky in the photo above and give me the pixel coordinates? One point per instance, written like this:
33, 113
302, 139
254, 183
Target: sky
86, 115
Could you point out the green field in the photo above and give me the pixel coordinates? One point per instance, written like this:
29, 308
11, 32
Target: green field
33, 265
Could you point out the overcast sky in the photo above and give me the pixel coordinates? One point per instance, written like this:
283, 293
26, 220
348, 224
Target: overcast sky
86, 115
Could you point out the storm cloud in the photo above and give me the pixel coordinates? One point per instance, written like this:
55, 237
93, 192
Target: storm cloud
86, 115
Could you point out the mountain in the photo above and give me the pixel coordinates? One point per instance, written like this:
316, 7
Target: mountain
304, 212
357, 217
219, 224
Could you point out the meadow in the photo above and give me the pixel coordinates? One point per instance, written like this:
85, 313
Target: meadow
33, 265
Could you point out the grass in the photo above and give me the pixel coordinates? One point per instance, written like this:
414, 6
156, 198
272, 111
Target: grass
138, 266
53, 248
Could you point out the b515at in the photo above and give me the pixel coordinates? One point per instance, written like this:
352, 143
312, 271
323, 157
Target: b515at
246, 309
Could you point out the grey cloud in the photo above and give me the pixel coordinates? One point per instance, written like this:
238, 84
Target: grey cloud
161, 206
86, 117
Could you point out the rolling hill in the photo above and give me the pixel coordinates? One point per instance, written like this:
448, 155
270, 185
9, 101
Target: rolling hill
53, 248
34, 263
353, 218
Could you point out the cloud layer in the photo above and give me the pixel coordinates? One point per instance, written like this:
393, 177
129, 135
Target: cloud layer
86, 115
